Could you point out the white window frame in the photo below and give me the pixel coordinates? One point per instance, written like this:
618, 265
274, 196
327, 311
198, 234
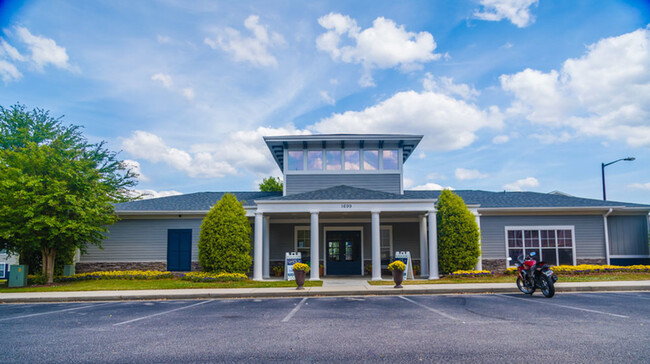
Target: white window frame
295, 237
340, 228
322, 160
539, 237
361, 170
390, 239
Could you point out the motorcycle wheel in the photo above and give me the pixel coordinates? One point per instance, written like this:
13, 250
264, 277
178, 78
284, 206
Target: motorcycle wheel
548, 288
524, 288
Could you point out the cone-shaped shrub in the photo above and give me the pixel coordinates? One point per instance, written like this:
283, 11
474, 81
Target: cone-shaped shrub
225, 238
458, 235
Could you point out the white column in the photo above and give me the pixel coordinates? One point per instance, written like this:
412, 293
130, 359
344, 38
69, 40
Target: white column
424, 252
376, 247
433, 246
479, 264
314, 247
257, 250
266, 265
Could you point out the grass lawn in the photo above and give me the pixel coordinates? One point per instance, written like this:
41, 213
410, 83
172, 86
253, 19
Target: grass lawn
594, 277
167, 283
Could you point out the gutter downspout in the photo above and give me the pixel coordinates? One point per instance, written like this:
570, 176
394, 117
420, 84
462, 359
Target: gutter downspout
607, 234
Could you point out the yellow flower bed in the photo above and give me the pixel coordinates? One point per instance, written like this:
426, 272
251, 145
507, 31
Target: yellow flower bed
591, 268
117, 274
213, 277
470, 273
397, 265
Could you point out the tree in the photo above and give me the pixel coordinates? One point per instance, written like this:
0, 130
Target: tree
271, 184
57, 189
225, 238
458, 234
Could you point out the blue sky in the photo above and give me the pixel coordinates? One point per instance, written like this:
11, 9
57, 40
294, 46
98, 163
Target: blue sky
509, 94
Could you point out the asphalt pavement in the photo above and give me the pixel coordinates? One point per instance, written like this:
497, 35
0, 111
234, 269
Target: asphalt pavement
469, 328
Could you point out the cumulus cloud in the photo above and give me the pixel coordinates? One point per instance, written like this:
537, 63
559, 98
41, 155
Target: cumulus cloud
447, 86
430, 186
448, 123
517, 11
605, 93
384, 45
327, 98
253, 49
147, 194
43, 51
463, 174
640, 186
521, 184
134, 166
9, 72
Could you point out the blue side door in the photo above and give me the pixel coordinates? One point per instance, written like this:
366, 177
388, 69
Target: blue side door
179, 249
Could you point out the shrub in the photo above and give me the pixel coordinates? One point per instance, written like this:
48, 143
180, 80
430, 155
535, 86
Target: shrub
117, 274
301, 266
470, 273
397, 265
212, 277
225, 238
458, 234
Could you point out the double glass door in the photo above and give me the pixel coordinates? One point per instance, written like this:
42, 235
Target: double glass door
343, 252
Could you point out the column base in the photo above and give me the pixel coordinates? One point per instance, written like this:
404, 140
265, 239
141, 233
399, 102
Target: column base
434, 277
315, 279
377, 279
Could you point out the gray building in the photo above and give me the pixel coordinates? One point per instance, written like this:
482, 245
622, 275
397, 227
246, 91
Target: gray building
344, 207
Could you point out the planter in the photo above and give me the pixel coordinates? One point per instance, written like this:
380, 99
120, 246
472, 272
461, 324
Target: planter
321, 270
300, 278
398, 277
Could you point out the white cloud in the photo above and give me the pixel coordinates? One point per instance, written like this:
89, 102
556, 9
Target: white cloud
253, 49
147, 194
606, 92
448, 123
640, 186
134, 166
517, 11
163, 39
384, 45
165, 79
436, 176
10, 51
431, 186
500, 139
447, 86
327, 98
9, 72
520, 184
43, 50
467, 174
188, 93
550, 138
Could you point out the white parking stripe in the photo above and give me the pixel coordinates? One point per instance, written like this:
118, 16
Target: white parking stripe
49, 312
565, 306
429, 308
295, 309
161, 313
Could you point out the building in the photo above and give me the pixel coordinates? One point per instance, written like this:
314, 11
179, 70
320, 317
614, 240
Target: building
344, 206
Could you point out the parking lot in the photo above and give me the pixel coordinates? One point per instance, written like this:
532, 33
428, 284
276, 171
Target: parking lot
579, 327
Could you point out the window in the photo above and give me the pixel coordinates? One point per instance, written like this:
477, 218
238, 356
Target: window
389, 159
295, 160
315, 160
303, 242
371, 160
386, 244
333, 160
352, 160
554, 245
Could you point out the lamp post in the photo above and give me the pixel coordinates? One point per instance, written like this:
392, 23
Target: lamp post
602, 167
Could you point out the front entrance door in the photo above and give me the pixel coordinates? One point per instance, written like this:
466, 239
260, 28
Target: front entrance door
179, 249
343, 252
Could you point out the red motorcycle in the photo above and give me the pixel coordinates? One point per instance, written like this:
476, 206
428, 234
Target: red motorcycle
532, 274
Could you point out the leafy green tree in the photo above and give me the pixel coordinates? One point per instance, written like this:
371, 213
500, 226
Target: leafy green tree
225, 238
458, 234
57, 189
271, 184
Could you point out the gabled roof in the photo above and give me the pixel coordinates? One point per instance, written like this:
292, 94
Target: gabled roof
199, 201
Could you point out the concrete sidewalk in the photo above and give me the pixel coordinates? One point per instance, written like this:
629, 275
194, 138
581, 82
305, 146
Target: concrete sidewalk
360, 288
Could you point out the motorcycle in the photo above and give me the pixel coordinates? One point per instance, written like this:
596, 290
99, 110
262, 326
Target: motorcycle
532, 274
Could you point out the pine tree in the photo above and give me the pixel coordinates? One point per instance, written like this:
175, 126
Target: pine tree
458, 234
225, 238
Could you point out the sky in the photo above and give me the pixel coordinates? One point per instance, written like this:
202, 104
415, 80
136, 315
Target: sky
510, 95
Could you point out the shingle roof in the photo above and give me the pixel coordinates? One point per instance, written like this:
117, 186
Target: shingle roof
203, 201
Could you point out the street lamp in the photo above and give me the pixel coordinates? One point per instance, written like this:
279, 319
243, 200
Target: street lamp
602, 167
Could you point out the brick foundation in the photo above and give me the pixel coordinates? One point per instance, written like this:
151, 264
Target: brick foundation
596, 261
494, 265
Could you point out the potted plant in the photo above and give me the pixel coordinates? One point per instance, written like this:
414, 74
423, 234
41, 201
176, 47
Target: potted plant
300, 270
397, 267
278, 270
321, 270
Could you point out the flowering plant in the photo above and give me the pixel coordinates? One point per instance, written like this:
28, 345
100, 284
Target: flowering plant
301, 266
397, 265
117, 274
470, 273
213, 277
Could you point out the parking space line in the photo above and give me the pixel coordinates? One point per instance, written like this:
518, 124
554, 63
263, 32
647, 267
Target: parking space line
564, 306
295, 309
429, 308
49, 312
161, 313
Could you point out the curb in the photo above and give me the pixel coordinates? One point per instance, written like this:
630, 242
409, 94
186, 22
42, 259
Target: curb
75, 297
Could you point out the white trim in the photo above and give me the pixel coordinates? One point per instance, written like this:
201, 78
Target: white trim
295, 236
629, 256
343, 220
539, 237
390, 238
340, 228
345, 206
606, 226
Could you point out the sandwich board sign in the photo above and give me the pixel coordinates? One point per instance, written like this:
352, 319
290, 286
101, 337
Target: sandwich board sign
405, 257
289, 260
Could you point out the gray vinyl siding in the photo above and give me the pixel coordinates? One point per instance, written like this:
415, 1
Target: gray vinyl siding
141, 241
628, 235
386, 182
589, 233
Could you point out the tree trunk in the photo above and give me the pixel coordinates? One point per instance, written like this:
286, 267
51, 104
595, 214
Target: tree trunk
48, 264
